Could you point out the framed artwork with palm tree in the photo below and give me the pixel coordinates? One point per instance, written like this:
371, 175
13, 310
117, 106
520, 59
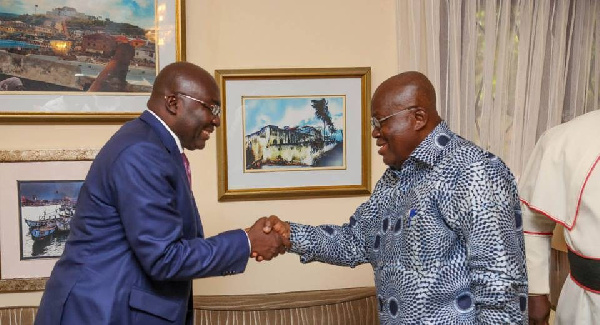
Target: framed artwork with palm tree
293, 133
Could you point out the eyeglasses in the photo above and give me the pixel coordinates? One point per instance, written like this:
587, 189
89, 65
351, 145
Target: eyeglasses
214, 108
376, 123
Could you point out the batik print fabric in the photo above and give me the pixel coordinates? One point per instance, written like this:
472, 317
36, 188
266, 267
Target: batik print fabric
443, 234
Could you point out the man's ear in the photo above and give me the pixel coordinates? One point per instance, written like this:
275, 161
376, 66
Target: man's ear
171, 104
421, 118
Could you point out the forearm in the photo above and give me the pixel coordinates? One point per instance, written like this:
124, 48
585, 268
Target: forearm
499, 299
223, 254
538, 231
498, 275
330, 244
498, 272
499, 279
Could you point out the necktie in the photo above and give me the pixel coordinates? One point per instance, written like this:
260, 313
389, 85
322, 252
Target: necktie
186, 164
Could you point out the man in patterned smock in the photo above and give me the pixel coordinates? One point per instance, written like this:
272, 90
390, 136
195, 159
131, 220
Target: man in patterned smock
442, 228
561, 184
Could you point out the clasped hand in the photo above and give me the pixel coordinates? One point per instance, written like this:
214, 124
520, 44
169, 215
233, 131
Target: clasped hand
266, 244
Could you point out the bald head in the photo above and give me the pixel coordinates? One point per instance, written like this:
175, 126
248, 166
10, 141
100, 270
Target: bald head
180, 77
410, 88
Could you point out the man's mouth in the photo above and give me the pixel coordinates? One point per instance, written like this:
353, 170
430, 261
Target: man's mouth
382, 147
206, 133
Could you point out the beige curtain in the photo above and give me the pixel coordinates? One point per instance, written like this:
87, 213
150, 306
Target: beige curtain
506, 70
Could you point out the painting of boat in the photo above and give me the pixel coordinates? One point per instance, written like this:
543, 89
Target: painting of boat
33, 223
46, 211
42, 233
63, 224
48, 224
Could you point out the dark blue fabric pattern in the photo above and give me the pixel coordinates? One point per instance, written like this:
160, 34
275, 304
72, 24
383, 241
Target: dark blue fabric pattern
443, 236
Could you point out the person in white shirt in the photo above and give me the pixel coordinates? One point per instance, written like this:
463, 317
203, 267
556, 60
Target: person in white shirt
561, 185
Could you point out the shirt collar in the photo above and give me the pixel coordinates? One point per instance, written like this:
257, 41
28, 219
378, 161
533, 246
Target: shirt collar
431, 148
170, 131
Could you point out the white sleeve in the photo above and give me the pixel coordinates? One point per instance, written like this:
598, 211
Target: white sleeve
538, 231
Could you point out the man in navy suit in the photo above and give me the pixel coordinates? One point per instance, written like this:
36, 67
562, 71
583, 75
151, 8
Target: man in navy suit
136, 240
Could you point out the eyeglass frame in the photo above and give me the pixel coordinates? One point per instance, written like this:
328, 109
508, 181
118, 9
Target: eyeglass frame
214, 109
376, 123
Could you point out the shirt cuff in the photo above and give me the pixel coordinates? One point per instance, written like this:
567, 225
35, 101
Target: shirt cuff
537, 252
249, 244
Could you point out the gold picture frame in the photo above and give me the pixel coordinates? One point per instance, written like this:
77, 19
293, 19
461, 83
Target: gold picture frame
290, 102
16, 273
101, 107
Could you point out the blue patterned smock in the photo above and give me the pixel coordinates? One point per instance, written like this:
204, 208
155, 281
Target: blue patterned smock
443, 234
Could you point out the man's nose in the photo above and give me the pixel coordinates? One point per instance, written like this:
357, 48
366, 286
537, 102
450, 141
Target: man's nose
375, 133
216, 121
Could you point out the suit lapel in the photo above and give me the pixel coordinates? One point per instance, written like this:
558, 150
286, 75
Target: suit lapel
167, 140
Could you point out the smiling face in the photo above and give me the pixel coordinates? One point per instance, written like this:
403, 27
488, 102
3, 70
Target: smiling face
195, 122
182, 96
397, 137
406, 102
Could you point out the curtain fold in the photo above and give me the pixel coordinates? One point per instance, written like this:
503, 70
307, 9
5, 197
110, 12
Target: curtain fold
506, 70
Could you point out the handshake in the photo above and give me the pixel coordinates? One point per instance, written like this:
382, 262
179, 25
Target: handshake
269, 237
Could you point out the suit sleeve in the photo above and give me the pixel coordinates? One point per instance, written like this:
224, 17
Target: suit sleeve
145, 180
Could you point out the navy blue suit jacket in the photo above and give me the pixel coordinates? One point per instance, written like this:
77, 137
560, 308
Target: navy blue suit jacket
136, 240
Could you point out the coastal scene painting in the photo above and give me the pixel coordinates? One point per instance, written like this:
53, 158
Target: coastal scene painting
75, 46
45, 212
294, 133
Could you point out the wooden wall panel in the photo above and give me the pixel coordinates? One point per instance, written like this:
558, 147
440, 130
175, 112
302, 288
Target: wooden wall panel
17, 315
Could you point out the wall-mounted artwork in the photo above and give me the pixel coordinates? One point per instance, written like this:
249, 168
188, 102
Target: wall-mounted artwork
84, 59
45, 212
37, 202
42, 39
293, 133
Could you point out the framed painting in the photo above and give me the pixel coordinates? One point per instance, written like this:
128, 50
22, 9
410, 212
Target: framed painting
37, 199
293, 133
70, 60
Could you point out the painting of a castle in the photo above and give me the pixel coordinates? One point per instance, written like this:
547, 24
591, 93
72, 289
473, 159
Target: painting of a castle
294, 133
